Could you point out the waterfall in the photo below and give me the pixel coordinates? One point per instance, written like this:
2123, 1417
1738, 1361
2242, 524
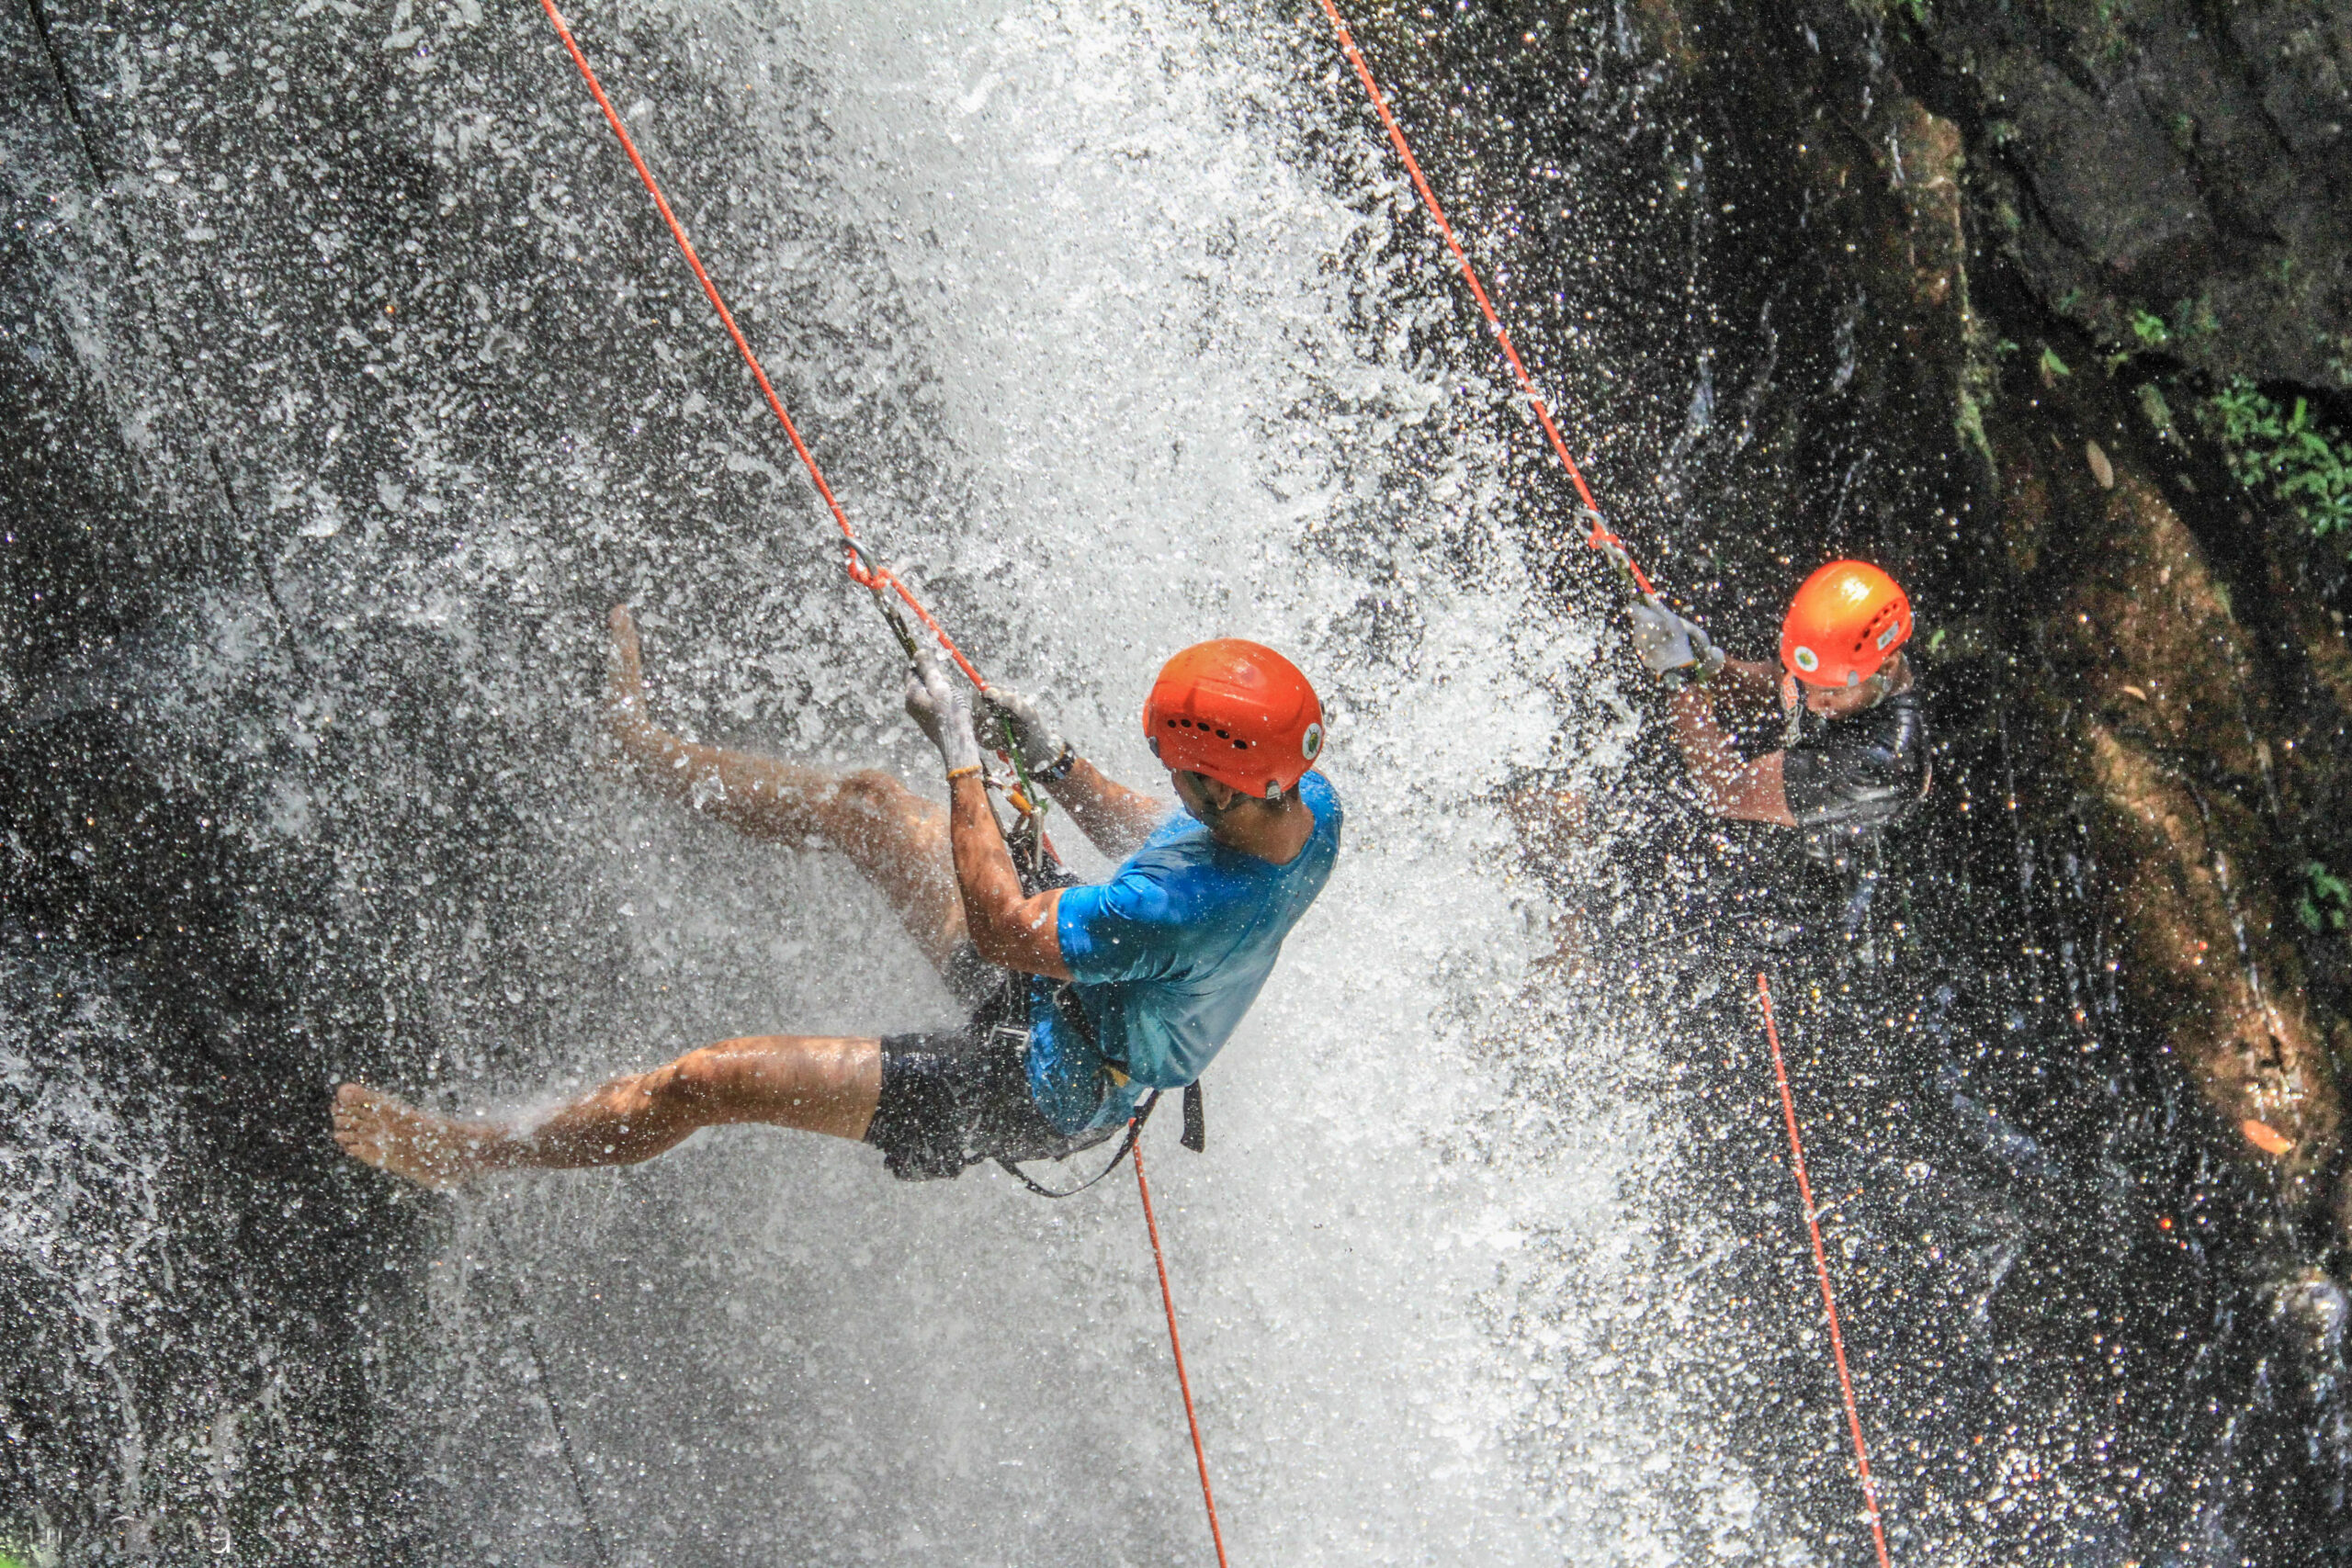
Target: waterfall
1165, 393
1115, 330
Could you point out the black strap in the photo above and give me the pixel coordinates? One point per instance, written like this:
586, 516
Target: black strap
1196, 1120
1126, 1145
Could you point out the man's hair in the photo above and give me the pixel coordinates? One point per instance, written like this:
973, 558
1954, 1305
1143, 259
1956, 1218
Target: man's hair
1240, 795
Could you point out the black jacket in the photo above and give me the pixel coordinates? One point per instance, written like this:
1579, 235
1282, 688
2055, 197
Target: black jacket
1859, 773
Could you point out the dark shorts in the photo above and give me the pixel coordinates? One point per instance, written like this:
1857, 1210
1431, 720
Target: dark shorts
953, 1097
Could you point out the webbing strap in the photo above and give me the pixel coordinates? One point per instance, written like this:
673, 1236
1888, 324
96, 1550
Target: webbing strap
1126, 1147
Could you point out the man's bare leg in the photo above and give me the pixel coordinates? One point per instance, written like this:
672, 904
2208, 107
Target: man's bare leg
893, 835
817, 1083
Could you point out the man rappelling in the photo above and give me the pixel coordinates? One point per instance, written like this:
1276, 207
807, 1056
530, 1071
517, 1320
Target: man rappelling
1079, 998
1853, 752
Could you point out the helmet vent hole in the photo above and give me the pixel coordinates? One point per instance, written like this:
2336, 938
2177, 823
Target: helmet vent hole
1241, 745
1223, 735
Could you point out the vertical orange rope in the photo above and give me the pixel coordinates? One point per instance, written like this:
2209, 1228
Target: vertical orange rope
1600, 536
1821, 1266
1168, 1300
874, 577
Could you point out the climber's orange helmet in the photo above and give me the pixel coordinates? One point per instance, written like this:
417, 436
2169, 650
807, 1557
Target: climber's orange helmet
1237, 712
1846, 620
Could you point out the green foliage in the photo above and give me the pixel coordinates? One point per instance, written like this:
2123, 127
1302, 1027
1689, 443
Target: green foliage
2150, 329
2326, 904
2286, 453
2194, 320
2051, 366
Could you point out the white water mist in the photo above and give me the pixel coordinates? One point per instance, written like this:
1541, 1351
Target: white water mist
1165, 353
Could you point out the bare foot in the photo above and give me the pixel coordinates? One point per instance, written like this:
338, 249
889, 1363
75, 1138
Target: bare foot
388, 1133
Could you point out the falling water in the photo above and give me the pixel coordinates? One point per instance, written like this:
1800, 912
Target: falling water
1106, 326
1163, 378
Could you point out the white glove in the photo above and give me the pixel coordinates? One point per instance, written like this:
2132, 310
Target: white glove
1041, 745
936, 705
1666, 642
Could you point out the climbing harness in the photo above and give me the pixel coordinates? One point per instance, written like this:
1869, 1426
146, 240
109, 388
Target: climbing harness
1033, 852
1134, 1129
1821, 1266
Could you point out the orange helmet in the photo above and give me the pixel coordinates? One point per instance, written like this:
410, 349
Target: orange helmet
1236, 712
1846, 621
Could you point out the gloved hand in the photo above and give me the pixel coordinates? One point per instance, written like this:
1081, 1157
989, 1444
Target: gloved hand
1041, 745
1666, 642
936, 705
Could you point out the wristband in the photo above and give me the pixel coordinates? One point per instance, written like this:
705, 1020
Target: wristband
1059, 768
968, 771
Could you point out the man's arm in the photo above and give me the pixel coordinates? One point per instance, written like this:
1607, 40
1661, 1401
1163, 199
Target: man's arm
1116, 818
1745, 691
1007, 927
1744, 792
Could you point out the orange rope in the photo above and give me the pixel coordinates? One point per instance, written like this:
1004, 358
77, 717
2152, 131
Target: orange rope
1168, 1300
878, 578
1821, 1265
874, 577
1601, 538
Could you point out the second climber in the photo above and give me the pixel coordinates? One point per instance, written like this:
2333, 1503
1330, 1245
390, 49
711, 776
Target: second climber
1852, 753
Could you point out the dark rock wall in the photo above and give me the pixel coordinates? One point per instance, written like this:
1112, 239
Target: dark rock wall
1895, 252
2157, 197
1880, 268
2187, 161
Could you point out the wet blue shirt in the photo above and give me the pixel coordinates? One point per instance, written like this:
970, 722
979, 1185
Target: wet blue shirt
1166, 957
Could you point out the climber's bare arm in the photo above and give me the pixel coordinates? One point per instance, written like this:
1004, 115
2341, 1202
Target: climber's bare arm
1744, 693
1116, 818
1744, 792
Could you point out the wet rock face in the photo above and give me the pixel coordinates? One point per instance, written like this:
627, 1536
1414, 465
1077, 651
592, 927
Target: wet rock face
2158, 197
2159, 710
2159, 158
1885, 268
2046, 217
317, 401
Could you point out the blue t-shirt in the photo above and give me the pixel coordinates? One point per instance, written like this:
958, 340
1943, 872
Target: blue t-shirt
1166, 957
